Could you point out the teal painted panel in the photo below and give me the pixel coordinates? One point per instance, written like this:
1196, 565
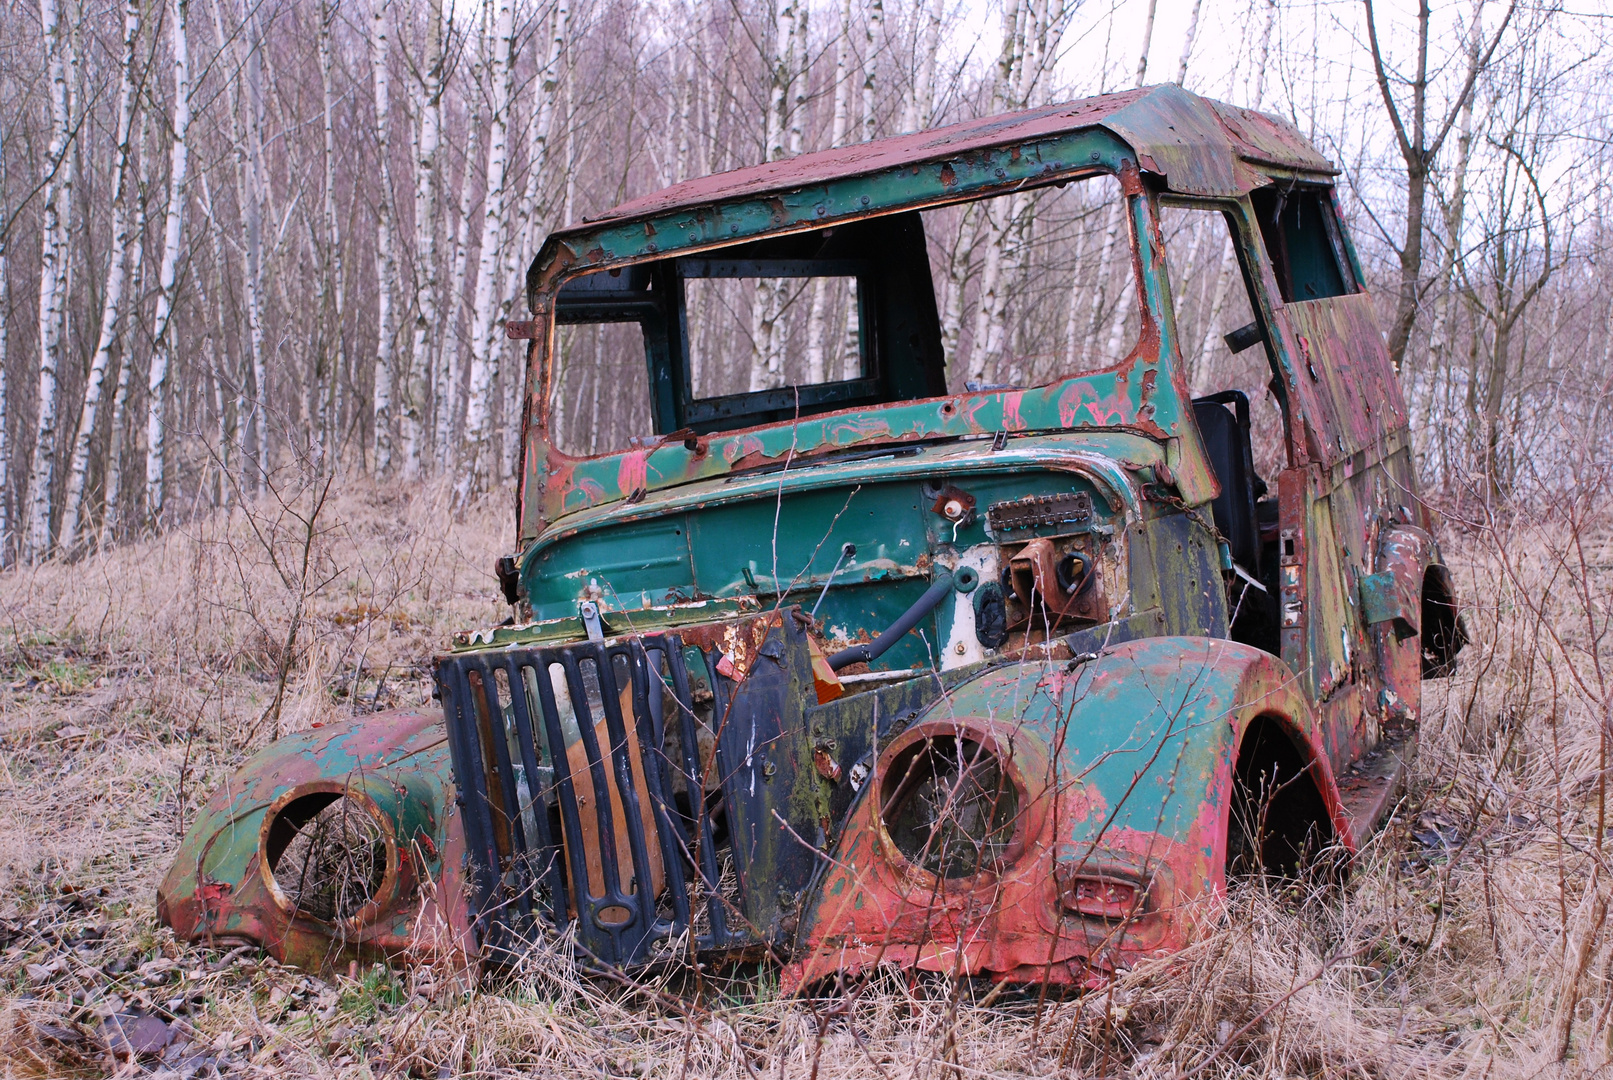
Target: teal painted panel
636, 564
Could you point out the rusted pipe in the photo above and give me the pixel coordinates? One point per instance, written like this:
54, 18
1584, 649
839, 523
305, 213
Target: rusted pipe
868, 652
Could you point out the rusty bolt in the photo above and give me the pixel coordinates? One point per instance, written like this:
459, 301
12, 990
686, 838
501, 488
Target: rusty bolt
824, 762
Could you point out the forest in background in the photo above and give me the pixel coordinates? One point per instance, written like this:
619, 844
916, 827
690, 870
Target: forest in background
242, 236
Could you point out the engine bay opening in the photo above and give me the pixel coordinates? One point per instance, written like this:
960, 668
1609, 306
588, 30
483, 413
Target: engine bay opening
950, 806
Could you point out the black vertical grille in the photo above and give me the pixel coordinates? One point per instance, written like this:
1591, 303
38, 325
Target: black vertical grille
563, 824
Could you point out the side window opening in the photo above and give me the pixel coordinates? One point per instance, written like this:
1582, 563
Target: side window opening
1235, 405
786, 326
1036, 285
1221, 341
1304, 242
609, 325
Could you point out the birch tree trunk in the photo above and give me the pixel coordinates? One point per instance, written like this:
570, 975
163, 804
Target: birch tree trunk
112, 299
543, 134
5, 400
532, 213
386, 254
1187, 43
873, 44
332, 355
1001, 213
1263, 55
112, 498
959, 261
257, 436
685, 117
427, 136
168, 274
817, 320
1148, 40
920, 111
445, 395
54, 253
1456, 207
479, 402
767, 329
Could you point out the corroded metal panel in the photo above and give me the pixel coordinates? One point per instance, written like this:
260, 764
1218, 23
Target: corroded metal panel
1123, 771
394, 766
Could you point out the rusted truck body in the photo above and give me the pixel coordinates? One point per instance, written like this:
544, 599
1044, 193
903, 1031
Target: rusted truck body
998, 681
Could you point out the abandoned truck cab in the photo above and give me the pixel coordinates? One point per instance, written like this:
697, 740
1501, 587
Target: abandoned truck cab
894, 582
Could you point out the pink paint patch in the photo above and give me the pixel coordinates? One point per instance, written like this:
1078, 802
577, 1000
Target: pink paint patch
1011, 417
633, 473
854, 429
1071, 400
1105, 416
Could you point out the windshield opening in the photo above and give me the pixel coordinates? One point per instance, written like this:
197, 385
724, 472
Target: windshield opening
1014, 291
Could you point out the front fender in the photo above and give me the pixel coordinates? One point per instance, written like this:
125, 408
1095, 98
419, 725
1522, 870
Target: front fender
1125, 770
394, 767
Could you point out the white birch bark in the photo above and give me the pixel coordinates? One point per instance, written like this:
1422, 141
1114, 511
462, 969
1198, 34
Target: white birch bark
873, 44
544, 130
1000, 214
112, 299
1212, 325
532, 214
1148, 40
479, 400
959, 260
112, 497
53, 257
1263, 60
1187, 43
257, 436
445, 395
767, 317
840, 127
1074, 324
5, 403
386, 254
1113, 229
1116, 343
920, 111
1446, 298
426, 137
326, 412
216, 347
686, 115
987, 341
162, 330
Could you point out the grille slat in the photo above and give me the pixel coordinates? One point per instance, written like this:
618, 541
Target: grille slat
537, 851
549, 855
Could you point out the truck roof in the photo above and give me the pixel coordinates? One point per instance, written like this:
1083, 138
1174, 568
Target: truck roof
1200, 146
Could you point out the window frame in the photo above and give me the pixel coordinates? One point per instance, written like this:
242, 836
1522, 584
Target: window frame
736, 406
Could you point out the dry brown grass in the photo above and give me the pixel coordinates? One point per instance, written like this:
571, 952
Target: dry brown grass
1470, 941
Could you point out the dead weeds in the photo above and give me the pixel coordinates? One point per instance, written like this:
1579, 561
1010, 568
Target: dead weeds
1471, 939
